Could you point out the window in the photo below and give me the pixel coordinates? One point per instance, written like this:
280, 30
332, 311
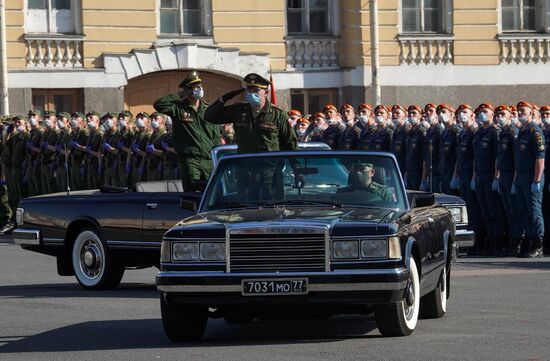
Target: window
181, 17
526, 15
57, 100
51, 16
308, 16
310, 101
426, 16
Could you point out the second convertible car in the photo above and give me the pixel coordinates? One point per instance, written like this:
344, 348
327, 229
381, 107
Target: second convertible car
297, 234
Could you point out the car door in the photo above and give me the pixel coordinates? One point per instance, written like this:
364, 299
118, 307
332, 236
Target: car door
161, 211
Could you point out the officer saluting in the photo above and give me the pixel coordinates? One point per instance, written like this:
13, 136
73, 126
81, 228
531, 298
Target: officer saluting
529, 179
192, 136
259, 125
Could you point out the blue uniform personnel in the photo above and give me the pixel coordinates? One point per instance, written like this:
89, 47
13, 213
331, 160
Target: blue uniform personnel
530, 147
365, 138
485, 156
431, 155
415, 157
465, 168
447, 157
350, 137
332, 135
546, 191
398, 146
381, 140
505, 166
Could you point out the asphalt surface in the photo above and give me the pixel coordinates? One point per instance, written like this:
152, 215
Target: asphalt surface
499, 310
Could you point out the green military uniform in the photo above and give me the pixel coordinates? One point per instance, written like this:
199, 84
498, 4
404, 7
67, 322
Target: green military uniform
34, 179
139, 172
93, 164
154, 162
48, 160
5, 209
262, 131
62, 162
110, 160
124, 172
360, 180
16, 186
193, 137
171, 170
77, 170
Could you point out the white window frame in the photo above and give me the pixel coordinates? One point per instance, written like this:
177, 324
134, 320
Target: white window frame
76, 9
206, 21
542, 18
446, 18
333, 21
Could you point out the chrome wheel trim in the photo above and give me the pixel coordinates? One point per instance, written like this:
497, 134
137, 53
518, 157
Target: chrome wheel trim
91, 259
410, 313
88, 257
443, 290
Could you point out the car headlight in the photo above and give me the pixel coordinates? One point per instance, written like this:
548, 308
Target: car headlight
456, 212
19, 215
345, 249
212, 251
185, 251
374, 248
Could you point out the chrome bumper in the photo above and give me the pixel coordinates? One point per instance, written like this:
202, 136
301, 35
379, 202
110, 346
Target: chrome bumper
464, 238
29, 237
335, 281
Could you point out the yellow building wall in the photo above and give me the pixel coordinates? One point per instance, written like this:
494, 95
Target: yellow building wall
252, 26
15, 22
475, 29
259, 26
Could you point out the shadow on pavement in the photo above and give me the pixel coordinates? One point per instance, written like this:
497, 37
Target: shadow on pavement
68, 290
518, 263
148, 334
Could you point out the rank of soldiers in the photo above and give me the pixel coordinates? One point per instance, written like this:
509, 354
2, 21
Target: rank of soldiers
494, 158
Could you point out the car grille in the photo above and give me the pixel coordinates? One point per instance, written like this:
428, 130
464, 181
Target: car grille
289, 252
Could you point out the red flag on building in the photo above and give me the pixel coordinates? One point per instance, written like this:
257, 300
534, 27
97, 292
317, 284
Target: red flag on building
273, 95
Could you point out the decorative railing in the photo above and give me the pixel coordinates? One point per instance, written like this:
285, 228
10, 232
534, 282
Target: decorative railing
524, 48
312, 53
54, 51
426, 50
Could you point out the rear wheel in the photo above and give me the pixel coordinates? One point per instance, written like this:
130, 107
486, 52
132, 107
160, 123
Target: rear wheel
434, 304
182, 323
94, 268
400, 319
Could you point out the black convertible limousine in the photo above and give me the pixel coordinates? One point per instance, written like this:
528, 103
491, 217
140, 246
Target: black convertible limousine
291, 234
97, 234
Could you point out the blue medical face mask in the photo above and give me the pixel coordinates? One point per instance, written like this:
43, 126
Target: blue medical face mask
482, 118
253, 99
198, 93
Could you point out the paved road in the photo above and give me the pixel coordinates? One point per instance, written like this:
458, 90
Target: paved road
499, 309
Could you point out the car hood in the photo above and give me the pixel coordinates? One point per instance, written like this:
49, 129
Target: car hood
342, 221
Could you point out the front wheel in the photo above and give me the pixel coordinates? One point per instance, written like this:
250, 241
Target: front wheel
400, 319
434, 304
93, 265
182, 323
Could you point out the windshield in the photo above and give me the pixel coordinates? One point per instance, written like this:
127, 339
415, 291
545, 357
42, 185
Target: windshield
316, 180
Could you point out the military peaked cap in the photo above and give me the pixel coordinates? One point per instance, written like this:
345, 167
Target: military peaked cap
254, 79
191, 78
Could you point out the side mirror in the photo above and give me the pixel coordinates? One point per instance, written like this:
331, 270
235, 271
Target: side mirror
187, 204
418, 200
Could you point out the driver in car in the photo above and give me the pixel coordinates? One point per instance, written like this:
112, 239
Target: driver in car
360, 180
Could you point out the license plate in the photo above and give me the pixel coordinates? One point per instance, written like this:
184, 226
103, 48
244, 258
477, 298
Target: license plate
291, 286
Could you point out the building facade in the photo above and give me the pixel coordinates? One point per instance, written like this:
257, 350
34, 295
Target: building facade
106, 55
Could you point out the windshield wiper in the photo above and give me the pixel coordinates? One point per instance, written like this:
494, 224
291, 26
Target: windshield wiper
307, 201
